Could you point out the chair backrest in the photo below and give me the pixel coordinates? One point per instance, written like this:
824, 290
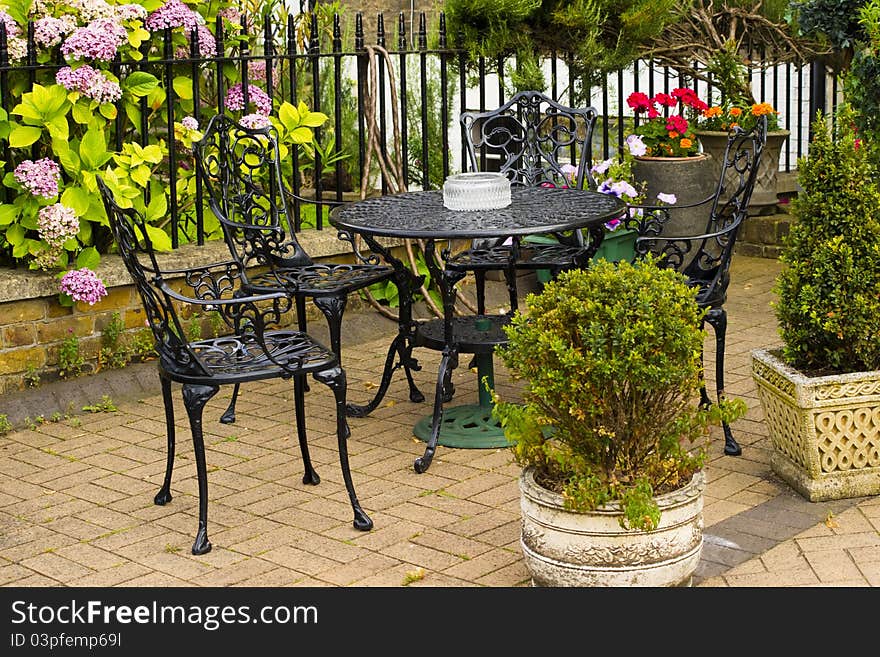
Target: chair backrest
136, 250
533, 137
705, 259
241, 170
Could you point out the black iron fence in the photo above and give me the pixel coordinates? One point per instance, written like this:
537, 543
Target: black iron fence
310, 62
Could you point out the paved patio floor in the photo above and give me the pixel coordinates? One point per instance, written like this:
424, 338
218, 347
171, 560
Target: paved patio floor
76, 495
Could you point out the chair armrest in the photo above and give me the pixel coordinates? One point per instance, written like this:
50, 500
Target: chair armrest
302, 199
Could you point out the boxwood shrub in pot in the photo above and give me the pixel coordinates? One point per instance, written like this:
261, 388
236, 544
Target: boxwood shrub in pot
610, 422
821, 390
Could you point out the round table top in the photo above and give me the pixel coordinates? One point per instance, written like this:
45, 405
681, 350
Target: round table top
422, 215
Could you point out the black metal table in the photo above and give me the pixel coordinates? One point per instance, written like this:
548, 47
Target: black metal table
421, 215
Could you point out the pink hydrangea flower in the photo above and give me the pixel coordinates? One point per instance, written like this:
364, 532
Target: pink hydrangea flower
90, 82
256, 97
12, 28
170, 15
254, 121
131, 12
49, 31
83, 285
40, 178
57, 223
190, 123
100, 39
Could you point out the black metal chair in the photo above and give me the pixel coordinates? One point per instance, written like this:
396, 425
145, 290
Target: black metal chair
705, 259
529, 138
250, 351
241, 169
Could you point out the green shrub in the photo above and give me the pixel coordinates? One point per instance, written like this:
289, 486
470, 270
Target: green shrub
829, 293
611, 362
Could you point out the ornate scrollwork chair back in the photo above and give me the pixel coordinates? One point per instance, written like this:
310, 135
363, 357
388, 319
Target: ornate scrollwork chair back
251, 349
533, 140
242, 172
705, 259
532, 137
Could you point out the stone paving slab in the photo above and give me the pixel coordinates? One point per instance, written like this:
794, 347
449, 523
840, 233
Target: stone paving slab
76, 495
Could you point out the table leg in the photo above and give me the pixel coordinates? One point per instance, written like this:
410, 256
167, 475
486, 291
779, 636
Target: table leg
402, 345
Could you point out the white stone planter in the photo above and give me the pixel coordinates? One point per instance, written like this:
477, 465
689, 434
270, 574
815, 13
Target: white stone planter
566, 548
824, 431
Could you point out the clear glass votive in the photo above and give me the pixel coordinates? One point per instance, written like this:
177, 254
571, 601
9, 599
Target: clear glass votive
476, 191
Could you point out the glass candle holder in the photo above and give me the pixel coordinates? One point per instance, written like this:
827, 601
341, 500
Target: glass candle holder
476, 191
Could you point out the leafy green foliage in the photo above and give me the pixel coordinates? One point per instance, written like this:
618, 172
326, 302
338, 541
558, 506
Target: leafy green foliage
601, 35
829, 293
106, 405
70, 360
837, 21
611, 362
114, 352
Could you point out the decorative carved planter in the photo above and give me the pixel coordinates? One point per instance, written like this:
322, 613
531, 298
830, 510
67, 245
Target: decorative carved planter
764, 197
566, 548
825, 431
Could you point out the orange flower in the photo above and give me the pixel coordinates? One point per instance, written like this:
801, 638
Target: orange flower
712, 111
685, 143
673, 134
762, 108
735, 111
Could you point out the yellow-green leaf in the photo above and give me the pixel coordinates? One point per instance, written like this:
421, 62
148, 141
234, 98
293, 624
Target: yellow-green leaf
108, 110
23, 135
301, 135
289, 116
315, 119
183, 87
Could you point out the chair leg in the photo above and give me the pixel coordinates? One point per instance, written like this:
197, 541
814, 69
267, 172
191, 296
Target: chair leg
299, 396
335, 379
333, 309
717, 317
302, 325
228, 416
398, 347
194, 399
163, 497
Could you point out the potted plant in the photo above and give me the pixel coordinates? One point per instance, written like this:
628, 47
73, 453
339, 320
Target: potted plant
671, 160
610, 432
821, 390
712, 128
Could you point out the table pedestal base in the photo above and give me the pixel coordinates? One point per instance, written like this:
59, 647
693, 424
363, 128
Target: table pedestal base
470, 426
